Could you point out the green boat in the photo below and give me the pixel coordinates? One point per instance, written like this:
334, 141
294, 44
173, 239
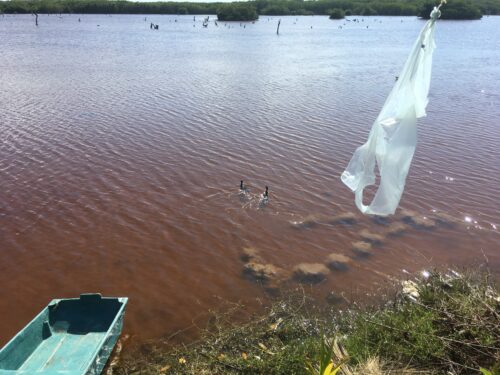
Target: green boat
70, 336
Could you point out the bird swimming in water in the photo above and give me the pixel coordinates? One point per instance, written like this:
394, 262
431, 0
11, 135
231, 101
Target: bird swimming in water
265, 195
243, 188
244, 193
264, 198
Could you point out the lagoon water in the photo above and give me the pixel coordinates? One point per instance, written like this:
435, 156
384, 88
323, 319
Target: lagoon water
122, 149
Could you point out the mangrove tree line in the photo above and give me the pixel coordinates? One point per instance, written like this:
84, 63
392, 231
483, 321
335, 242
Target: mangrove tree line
455, 9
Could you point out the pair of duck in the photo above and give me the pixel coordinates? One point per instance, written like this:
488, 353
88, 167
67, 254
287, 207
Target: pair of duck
244, 189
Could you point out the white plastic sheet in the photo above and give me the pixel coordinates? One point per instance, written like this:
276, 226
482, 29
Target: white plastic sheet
393, 137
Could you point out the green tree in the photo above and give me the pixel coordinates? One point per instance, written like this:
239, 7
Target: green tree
336, 14
237, 12
454, 10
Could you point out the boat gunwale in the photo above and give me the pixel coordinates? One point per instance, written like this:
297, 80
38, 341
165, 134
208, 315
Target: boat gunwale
10, 342
118, 315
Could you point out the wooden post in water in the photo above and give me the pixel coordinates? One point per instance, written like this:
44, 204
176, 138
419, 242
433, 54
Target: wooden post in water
278, 29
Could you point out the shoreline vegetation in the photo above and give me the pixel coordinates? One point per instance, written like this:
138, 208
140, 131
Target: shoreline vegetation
436, 323
251, 10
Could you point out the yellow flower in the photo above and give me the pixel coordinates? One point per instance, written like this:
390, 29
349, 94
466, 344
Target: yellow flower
182, 361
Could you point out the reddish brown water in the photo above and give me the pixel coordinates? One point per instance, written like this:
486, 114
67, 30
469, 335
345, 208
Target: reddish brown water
122, 151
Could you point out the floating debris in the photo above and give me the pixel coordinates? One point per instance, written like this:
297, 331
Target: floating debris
310, 273
362, 248
338, 261
373, 238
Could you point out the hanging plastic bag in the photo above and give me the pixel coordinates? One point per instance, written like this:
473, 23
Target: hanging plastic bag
393, 137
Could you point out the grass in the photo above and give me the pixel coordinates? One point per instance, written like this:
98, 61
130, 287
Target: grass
449, 325
453, 326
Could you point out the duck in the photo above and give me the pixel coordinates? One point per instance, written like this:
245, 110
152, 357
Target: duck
265, 194
243, 188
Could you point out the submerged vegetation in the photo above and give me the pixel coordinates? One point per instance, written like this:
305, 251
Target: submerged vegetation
437, 324
455, 9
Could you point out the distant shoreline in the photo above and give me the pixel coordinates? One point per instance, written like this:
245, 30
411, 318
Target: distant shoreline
249, 11
206, 14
